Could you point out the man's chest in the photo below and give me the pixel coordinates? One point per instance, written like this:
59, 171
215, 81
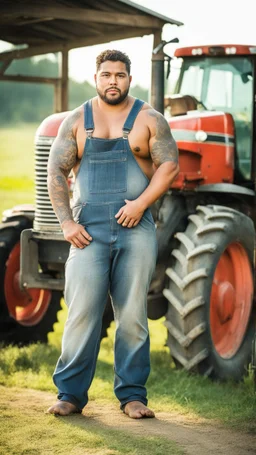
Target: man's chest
138, 137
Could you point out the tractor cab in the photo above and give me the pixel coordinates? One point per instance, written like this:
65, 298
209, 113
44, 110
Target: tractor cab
213, 105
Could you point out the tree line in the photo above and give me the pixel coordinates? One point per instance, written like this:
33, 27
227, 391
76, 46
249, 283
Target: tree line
32, 102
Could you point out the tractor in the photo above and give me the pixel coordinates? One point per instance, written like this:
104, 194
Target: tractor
203, 286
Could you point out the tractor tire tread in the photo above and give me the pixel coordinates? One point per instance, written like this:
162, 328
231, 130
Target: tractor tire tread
188, 289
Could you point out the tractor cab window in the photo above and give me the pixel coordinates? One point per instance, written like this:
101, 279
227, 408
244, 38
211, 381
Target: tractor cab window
224, 84
192, 81
172, 74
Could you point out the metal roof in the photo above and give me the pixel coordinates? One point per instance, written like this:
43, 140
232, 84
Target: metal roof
51, 26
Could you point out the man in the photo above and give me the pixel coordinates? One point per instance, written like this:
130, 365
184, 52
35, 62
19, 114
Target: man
124, 158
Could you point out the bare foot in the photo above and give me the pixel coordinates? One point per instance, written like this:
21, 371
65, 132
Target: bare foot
137, 410
63, 408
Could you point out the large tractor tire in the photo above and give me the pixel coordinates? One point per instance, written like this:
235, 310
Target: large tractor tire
25, 316
210, 294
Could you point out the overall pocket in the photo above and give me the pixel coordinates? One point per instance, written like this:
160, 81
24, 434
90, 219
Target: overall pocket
148, 217
108, 172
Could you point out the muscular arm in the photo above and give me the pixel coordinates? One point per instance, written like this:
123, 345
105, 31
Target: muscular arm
163, 147
62, 158
164, 154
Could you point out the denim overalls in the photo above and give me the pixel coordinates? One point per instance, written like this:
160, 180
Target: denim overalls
118, 260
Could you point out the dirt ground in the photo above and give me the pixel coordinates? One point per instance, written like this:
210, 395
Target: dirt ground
195, 437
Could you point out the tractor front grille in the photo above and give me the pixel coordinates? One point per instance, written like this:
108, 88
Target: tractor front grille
45, 218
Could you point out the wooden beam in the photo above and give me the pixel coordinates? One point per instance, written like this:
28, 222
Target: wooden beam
39, 80
18, 32
32, 21
63, 75
4, 66
117, 34
15, 34
79, 14
103, 6
82, 30
53, 31
29, 40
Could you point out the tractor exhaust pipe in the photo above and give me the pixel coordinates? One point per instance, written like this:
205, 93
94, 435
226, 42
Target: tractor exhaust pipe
157, 81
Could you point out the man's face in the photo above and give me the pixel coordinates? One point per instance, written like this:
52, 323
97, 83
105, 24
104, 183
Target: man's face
112, 82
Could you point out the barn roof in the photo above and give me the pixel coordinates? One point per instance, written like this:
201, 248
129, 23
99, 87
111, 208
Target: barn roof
51, 26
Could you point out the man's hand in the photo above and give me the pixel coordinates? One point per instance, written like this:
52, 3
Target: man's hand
76, 234
130, 214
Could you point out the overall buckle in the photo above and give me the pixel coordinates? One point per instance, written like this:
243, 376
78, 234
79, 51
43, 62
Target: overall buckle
125, 133
89, 132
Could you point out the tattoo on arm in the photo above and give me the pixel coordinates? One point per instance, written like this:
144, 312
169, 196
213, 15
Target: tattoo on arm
62, 158
164, 147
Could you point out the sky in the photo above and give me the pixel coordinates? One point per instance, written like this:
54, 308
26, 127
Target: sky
205, 22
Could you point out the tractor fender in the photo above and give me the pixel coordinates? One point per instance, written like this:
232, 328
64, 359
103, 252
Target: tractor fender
19, 212
225, 188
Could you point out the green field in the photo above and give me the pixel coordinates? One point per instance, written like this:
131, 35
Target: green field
17, 165
169, 389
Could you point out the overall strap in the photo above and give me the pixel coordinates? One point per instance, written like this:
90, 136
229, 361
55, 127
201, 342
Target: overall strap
88, 118
131, 117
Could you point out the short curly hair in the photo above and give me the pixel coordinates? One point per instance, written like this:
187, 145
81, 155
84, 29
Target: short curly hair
113, 56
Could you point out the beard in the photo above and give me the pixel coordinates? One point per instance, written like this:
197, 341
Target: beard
113, 101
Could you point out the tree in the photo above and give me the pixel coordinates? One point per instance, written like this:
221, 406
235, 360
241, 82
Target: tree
32, 102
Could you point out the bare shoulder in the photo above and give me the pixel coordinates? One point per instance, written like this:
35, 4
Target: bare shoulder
146, 108
63, 153
154, 120
71, 122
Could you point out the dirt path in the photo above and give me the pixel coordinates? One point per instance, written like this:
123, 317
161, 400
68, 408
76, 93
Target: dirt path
195, 437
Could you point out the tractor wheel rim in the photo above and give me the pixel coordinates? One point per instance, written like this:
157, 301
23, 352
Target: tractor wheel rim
26, 307
231, 300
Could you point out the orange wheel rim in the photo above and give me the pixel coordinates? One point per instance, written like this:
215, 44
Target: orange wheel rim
26, 307
231, 300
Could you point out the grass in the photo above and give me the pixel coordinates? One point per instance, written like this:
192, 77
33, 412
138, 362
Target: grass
17, 166
169, 390
77, 436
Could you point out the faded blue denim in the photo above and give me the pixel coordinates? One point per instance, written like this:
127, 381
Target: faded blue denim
118, 260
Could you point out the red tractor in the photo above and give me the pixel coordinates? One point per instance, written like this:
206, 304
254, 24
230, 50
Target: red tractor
204, 279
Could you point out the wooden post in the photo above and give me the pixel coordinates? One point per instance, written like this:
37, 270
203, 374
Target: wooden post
61, 89
57, 97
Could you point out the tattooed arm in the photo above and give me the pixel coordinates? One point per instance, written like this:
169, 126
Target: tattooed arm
164, 154
163, 147
62, 158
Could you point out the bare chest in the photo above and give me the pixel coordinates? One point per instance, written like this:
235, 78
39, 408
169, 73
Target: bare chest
138, 137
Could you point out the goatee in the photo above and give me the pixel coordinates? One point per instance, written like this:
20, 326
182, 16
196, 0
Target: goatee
113, 101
